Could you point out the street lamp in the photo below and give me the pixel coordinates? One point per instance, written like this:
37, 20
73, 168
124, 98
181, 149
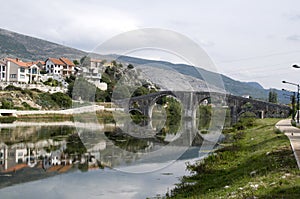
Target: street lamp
292, 97
298, 88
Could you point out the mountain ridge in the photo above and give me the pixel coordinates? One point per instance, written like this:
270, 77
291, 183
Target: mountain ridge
14, 44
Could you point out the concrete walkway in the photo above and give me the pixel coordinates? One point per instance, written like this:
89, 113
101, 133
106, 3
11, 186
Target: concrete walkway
293, 134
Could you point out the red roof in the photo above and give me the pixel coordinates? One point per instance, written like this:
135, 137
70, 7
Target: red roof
20, 62
56, 61
67, 61
39, 61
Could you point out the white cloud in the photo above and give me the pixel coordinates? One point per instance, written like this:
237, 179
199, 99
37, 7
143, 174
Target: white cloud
227, 30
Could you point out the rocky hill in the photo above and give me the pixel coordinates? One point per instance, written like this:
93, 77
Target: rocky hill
29, 48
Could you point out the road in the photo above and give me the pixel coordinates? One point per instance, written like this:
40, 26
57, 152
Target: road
293, 133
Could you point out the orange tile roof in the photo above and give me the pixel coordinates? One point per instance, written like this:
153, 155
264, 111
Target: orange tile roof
56, 61
67, 61
20, 62
39, 61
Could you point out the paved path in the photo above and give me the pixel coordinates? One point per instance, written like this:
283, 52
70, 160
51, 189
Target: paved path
293, 134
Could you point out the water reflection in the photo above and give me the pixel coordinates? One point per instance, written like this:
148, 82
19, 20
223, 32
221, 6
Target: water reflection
35, 151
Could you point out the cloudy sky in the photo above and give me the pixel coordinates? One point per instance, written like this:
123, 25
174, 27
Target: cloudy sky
254, 40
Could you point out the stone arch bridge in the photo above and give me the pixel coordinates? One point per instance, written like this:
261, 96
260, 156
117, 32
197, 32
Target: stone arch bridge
191, 100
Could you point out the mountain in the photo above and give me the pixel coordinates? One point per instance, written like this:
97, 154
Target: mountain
253, 89
29, 48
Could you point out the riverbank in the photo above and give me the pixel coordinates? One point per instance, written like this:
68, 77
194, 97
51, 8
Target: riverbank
255, 162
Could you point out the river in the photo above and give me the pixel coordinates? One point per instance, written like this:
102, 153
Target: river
68, 160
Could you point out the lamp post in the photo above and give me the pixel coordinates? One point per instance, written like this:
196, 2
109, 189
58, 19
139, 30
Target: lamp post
292, 97
298, 88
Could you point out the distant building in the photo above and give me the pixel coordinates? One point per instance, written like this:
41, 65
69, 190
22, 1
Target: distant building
62, 66
91, 69
15, 70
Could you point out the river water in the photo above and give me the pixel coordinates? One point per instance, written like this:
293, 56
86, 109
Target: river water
67, 160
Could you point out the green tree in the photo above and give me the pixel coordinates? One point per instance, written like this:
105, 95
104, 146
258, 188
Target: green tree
130, 66
272, 96
75, 62
140, 91
7, 104
62, 100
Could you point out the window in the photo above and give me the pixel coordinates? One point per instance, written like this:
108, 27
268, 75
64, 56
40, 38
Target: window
20, 154
3, 75
13, 76
11, 154
34, 71
3, 68
51, 65
22, 76
29, 70
22, 70
55, 71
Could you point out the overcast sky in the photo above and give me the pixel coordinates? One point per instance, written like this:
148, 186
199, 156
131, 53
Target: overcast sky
255, 40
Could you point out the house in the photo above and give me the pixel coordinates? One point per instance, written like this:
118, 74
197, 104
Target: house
2, 70
15, 70
62, 66
41, 64
91, 69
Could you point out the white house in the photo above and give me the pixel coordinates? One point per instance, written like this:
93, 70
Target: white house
15, 70
62, 66
3, 70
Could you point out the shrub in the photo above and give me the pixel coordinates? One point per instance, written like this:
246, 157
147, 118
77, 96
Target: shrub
45, 100
62, 100
12, 88
7, 104
7, 119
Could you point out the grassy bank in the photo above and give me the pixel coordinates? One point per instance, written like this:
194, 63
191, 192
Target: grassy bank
255, 162
99, 116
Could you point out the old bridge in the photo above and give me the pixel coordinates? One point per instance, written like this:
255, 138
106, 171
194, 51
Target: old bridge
191, 100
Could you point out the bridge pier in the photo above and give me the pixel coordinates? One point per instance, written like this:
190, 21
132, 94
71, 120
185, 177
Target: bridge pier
233, 114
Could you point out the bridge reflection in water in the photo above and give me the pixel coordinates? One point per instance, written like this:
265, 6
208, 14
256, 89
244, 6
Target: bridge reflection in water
37, 151
34, 151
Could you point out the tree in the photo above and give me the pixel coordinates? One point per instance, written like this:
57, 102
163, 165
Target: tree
273, 96
7, 104
76, 62
63, 100
130, 66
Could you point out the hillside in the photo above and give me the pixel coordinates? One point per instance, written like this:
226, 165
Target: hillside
235, 87
30, 48
17, 45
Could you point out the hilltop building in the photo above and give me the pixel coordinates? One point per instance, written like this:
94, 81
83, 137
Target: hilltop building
62, 66
15, 70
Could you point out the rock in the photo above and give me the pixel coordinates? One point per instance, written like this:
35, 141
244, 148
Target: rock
226, 187
252, 173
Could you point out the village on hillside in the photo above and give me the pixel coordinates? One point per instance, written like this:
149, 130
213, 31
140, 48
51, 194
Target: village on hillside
14, 71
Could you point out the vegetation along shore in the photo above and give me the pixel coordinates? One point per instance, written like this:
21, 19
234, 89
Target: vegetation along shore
256, 161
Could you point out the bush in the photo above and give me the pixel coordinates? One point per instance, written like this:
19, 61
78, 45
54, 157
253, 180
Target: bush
12, 88
8, 119
28, 92
7, 104
62, 100
45, 100
28, 107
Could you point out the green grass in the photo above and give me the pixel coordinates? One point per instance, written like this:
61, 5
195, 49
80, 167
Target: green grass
256, 162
